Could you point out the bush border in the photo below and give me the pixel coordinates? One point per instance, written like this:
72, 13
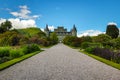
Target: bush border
17, 60
110, 63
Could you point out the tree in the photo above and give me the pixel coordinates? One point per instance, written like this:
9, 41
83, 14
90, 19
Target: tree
5, 26
86, 39
54, 38
68, 40
112, 31
102, 38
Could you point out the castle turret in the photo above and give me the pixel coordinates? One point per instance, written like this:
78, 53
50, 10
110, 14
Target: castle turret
47, 31
74, 31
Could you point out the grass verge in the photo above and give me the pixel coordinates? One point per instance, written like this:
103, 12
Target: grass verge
110, 63
16, 60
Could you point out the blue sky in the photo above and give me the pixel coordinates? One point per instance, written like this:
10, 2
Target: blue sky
89, 16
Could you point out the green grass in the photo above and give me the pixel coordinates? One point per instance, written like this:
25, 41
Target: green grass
16, 60
110, 63
29, 31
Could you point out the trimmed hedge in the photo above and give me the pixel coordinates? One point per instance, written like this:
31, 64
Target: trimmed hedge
16, 60
7, 53
30, 48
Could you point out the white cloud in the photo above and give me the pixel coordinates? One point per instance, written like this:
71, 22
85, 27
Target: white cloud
2, 20
23, 13
23, 18
18, 24
42, 29
24, 7
112, 23
51, 28
90, 33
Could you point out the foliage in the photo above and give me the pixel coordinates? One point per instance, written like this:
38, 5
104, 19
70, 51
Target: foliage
113, 44
4, 52
76, 42
108, 62
86, 39
8, 53
54, 38
4, 59
15, 53
11, 38
117, 43
16, 60
102, 38
89, 49
112, 31
68, 40
30, 32
23, 40
105, 53
85, 45
5, 26
30, 48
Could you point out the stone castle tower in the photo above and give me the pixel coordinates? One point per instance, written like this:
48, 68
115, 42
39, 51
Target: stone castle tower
61, 32
47, 31
74, 31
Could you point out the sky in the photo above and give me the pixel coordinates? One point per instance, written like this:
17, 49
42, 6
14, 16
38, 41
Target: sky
91, 17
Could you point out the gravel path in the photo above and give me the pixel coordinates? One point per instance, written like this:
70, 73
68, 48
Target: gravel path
60, 63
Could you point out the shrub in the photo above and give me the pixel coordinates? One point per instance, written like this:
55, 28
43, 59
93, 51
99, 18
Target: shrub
4, 52
76, 42
85, 45
68, 40
30, 48
16, 53
4, 59
89, 49
105, 53
102, 38
11, 38
117, 58
86, 39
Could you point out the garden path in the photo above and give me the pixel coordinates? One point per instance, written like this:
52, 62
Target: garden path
60, 63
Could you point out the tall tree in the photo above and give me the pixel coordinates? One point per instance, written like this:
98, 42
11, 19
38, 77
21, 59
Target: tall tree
112, 31
54, 38
5, 26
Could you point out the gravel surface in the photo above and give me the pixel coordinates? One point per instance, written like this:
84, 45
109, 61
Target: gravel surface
60, 63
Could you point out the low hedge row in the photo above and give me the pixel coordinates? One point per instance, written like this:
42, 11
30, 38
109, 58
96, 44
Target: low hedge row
8, 53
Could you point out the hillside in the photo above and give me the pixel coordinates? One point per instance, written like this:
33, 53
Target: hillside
29, 32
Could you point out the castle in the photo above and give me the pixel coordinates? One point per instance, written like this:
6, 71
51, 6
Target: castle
61, 32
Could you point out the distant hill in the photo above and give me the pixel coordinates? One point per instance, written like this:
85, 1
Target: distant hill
29, 32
